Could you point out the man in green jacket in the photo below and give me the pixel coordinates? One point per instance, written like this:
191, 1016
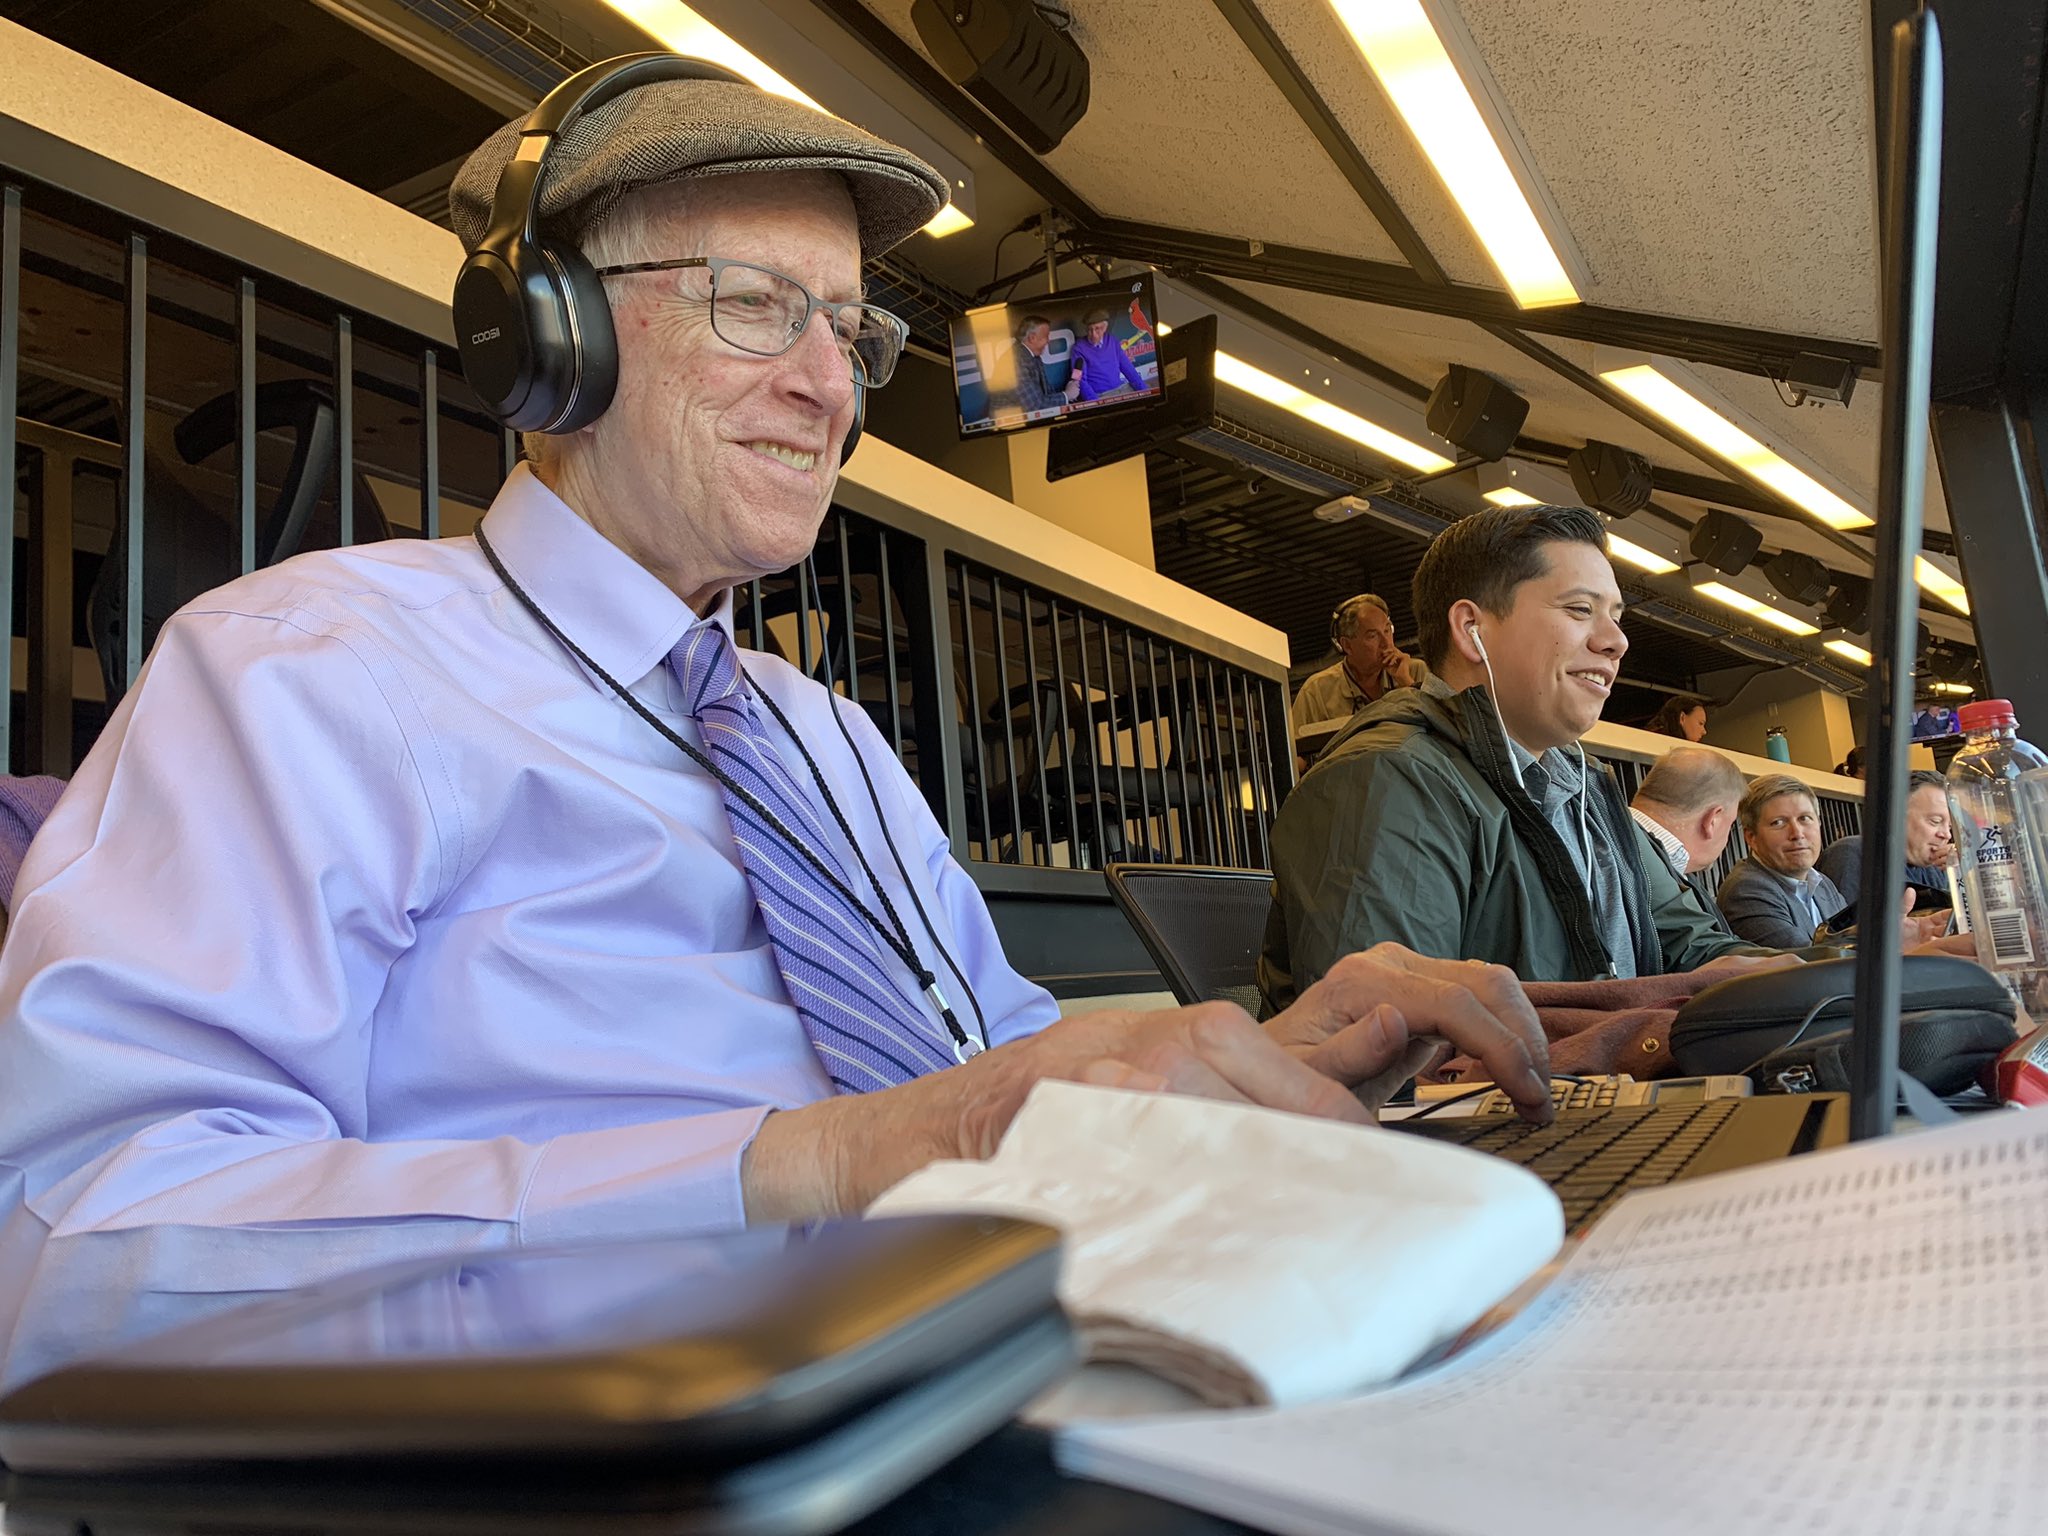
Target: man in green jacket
1461, 818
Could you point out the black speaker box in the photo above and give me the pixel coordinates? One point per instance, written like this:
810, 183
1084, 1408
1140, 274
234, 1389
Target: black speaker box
1479, 414
1848, 606
1610, 479
1801, 578
1011, 59
1724, 541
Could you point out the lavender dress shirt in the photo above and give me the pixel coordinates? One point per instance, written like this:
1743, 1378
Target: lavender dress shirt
375, 926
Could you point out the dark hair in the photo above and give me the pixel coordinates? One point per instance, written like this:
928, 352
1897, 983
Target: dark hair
1029, 324
1665, 721
1852, 764
1486, 556
1925, 778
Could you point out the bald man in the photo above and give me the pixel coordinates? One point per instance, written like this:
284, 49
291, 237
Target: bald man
1685, 810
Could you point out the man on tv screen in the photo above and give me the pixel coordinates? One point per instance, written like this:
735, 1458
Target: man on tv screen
1101, 367
1019, 388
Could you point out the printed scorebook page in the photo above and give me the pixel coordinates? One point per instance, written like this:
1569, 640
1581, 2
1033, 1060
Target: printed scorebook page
1852, 1343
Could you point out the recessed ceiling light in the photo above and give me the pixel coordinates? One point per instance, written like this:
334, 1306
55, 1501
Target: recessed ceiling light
1849, 650
1643, 559
1755, 608
1239, 374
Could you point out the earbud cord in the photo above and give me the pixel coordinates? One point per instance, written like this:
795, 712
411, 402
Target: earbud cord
875, 800
899, 942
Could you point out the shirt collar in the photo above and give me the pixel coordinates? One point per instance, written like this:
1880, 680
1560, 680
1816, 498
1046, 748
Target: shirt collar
1667, 842
616, 610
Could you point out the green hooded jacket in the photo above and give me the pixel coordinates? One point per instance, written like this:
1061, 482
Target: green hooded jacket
1412, 828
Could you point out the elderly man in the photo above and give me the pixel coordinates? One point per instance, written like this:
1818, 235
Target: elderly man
1460, 818
1020, 391
1686, 807
1930, 840
452, 895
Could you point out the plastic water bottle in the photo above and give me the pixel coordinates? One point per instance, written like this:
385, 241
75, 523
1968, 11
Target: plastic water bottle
1998, 802
1776, 746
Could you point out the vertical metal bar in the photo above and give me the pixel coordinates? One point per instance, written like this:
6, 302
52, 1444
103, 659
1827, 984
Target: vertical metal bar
889, 643
1088, 725
1240, 774
1137, 755
974, 731
1255, 756
934, 697
134, 422
1173, 826
1038, 743
1002, 704
1059, 682
804, 658
1272, 706
10, 396
1206, 764
245, 421
1226, 800
1116, 755
1184, 745
757, 636
508, 452
430, 444
345, 429
50, 536
846, 611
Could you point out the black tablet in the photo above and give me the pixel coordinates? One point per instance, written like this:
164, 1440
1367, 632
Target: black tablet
753, 1382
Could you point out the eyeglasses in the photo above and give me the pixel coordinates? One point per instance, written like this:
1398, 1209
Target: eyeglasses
758, 310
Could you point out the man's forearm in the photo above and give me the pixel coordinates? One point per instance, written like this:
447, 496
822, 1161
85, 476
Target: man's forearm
833, 1157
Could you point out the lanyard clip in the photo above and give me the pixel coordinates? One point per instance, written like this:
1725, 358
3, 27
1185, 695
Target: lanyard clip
964, 1044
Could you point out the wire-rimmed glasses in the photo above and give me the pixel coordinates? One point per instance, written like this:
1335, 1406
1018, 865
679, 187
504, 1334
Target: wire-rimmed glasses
759, 310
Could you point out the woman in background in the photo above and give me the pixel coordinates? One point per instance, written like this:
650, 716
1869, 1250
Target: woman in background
1683, 716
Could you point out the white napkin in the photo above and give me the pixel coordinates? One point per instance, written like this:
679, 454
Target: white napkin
1249, 1255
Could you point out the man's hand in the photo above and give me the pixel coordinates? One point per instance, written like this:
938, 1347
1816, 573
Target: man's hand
1386, 1013
1350, 1039
1743, 965
1915, 933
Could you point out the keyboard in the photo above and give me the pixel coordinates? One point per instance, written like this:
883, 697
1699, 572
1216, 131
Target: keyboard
1592, 1159
1566, 1095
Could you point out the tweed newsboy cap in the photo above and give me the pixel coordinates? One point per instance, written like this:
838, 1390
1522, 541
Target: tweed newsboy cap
671, 129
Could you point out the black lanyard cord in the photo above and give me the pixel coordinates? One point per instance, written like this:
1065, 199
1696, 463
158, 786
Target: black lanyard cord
898, 941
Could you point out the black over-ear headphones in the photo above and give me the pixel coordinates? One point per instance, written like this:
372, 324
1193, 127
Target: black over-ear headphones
531, 320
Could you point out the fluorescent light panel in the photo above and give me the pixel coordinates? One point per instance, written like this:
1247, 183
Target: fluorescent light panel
1721, 437
1408, 58
1956, 688
1508, 496
1755, 608
1937, 582
1630, 553
1849, 651
677, 27
1239, 374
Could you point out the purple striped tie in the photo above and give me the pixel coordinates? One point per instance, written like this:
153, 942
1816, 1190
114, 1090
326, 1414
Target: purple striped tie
863, 1025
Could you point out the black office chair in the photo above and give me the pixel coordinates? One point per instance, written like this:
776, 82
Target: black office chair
1201, 925
187, 540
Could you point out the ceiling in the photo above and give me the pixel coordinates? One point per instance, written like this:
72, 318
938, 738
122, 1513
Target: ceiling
1710, 164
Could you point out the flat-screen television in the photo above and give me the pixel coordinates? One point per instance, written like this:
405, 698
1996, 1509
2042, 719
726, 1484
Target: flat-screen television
1187, 369
1031, 362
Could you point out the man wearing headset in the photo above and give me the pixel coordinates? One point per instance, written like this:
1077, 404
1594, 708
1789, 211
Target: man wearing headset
1460, 819
458, 894
1368, 664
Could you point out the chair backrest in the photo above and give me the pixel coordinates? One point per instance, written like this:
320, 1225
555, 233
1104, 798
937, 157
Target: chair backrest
1201, 925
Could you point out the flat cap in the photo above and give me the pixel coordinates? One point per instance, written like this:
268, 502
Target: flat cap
671, 129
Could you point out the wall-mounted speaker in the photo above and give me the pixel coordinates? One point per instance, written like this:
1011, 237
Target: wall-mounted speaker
1801, 578
1029, 73
1848, 605
1724, 541
1477, 413
1610, 479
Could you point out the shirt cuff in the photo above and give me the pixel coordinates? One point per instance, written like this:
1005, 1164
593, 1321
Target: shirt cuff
668, 1178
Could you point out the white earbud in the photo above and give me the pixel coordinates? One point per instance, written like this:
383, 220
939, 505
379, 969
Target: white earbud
1478, 644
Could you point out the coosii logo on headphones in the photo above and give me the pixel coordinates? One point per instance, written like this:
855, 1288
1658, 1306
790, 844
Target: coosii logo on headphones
483, 336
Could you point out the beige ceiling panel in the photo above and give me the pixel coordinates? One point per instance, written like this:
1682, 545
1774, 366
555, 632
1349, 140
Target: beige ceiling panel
1312, 35
1711, 158
1184, 129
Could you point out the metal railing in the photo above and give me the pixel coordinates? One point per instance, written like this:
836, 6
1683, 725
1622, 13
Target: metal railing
176, 419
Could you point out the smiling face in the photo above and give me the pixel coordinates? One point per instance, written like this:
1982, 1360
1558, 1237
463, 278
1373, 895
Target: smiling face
1787, 835
713, 466
1557, 652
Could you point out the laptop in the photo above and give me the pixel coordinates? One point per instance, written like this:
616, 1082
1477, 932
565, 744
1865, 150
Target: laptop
745, 1383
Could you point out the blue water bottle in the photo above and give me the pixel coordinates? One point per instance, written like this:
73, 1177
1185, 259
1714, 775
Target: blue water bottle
1775, 745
